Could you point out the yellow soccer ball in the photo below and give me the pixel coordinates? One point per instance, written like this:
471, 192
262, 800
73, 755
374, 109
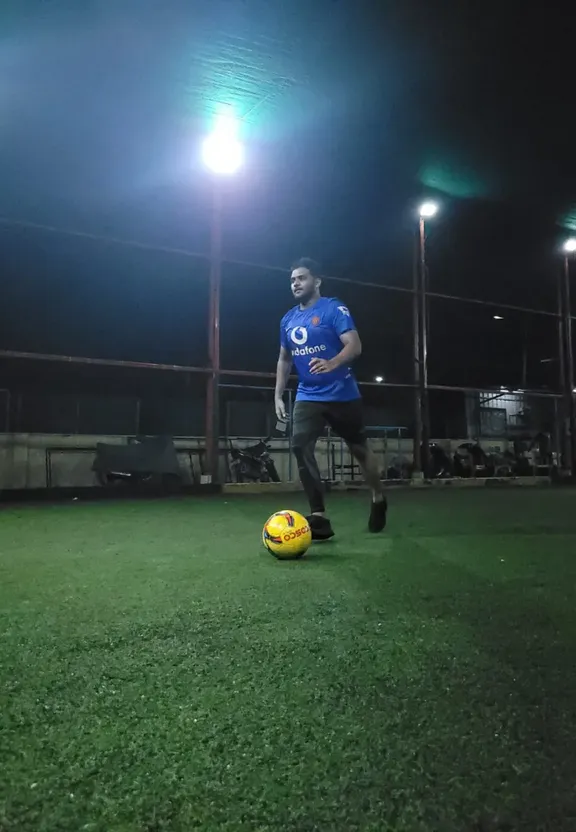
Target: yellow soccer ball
286, 535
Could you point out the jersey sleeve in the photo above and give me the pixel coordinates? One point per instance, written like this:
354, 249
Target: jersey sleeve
340, 317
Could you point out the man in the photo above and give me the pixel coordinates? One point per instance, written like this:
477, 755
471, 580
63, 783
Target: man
319, 337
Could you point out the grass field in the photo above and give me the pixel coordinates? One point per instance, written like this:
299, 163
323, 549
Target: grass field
160, 671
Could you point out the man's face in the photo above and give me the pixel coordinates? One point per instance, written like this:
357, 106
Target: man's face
303, 284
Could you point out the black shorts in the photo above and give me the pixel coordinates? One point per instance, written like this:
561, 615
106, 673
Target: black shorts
346, 419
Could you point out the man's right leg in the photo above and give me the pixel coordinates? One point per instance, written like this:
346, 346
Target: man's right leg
307, 425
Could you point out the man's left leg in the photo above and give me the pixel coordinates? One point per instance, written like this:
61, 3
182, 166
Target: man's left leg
346, 419
367, 461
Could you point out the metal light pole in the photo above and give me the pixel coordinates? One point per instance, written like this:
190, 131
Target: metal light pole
569, 251
212, 416
427, 211
223, 154
417, 448
562, 412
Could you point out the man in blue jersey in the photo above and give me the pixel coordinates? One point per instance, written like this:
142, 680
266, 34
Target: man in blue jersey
318, 336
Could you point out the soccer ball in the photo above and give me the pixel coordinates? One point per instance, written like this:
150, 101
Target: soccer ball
286, 535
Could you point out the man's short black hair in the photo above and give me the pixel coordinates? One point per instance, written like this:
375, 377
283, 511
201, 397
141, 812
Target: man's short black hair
307, 263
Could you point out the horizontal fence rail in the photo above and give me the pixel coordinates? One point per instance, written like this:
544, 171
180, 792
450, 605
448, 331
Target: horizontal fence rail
184, 368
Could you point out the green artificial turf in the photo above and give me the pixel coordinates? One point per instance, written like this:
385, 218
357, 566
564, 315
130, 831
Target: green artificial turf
160, 671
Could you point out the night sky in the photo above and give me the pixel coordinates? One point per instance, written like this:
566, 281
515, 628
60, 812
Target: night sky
351, 113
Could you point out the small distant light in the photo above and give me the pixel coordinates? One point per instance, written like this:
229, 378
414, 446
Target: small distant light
498, 318
428, 210
504, 390
378, 379
570, 245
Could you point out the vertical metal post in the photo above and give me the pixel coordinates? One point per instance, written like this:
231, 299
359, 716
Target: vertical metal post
417, 447
385, 454
290, 435
562, 412
569, 367
137, 416
423, 352
561, 371
227, 422
558, 449
213, 387
7, 411
524, 378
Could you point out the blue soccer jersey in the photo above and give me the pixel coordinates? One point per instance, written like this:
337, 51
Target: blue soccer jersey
315, 333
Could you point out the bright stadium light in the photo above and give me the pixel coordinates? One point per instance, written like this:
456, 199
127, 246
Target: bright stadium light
570, 245
378, 379
428, 210
498, 318
222, 152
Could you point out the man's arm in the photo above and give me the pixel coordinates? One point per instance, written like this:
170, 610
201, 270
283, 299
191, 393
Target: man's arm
352, 348
282, 374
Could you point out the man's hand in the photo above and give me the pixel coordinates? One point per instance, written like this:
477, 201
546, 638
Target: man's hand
280, 409
322, 365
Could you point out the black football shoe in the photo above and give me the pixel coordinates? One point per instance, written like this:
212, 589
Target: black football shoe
377, 521
320, 527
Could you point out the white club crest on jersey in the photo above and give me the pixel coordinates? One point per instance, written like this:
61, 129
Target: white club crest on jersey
344, 310
299, 335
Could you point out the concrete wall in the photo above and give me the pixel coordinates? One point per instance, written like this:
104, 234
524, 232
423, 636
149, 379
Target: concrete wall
26, 457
